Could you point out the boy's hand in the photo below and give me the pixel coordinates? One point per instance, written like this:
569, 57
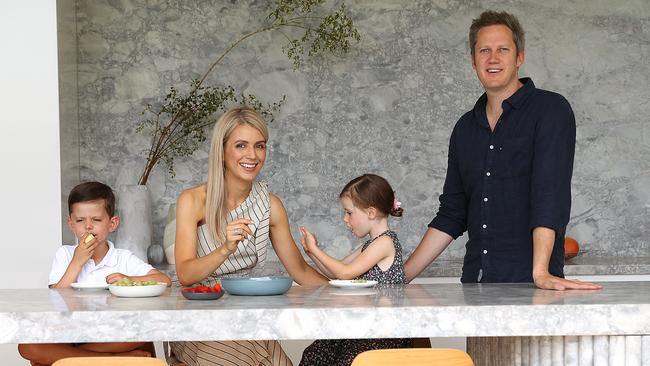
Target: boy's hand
84, 251
236, 231
308, 240
114, 277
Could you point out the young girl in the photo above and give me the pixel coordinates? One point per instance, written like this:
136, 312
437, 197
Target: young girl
367, 202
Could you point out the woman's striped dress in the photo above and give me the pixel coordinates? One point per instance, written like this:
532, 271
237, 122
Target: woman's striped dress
249, 254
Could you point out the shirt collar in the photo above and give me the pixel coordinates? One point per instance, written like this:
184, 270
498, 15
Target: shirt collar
520, 96
110, 259
515, 101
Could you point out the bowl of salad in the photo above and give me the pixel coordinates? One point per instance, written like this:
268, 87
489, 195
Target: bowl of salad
128, 288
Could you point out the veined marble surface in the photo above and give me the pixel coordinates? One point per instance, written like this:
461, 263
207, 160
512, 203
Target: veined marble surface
583, 265
440, 310
577, 266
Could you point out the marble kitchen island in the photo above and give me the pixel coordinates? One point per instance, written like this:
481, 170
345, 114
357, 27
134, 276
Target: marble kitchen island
532, 325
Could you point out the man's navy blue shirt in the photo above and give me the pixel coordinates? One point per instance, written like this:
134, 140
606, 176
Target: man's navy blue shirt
502, 184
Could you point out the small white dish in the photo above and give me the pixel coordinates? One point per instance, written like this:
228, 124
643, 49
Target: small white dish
138, 291
353, 283
89, 285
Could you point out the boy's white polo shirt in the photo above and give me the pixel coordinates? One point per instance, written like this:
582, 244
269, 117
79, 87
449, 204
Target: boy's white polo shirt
115, 260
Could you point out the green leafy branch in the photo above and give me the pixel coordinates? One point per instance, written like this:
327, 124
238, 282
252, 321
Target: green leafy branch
179, 126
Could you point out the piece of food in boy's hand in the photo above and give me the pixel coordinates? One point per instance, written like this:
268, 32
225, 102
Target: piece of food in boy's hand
89, 238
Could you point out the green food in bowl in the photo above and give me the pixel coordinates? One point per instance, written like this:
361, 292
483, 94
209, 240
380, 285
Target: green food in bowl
127, 282
359, 281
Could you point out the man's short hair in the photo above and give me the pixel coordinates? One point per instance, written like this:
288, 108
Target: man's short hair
92, 191
490, 17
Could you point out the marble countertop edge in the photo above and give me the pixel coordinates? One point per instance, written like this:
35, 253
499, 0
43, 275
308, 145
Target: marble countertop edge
302, 324
430, 310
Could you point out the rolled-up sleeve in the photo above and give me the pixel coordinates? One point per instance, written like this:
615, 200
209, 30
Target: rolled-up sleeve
452, 214
555, 137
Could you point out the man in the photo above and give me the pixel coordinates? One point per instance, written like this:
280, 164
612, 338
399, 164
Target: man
509, 171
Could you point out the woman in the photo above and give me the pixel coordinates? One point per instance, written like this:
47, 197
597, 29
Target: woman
224, 226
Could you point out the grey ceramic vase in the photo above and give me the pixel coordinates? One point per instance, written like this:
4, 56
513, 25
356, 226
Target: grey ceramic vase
155, 254
135, 230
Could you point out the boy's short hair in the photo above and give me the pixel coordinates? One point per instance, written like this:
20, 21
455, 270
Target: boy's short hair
92, 191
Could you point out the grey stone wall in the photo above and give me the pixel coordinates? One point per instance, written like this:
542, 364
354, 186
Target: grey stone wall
387, 107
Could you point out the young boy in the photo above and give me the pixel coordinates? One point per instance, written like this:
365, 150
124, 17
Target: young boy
92, 218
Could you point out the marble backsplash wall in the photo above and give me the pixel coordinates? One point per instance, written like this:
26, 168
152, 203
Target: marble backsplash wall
387, 107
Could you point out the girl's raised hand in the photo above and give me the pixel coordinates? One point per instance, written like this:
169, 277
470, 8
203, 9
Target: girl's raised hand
308, 240
236, 231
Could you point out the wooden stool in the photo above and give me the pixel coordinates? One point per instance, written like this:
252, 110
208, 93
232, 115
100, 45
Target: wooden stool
413, 357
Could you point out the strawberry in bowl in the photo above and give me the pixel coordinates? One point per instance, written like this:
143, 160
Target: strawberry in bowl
203, 292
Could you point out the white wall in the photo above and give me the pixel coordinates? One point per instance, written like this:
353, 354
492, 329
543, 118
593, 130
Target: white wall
29, 147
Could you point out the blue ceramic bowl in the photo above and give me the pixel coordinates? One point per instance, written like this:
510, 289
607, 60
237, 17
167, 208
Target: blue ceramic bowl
256, 286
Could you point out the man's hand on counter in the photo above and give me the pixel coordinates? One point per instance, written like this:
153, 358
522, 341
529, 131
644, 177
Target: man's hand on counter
546, 297
543, 242
549, 282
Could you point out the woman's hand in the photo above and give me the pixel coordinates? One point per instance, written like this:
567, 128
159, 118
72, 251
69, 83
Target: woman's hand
236, 231
308, 240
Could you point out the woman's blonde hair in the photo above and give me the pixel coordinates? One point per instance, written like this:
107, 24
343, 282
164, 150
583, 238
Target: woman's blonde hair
215, 205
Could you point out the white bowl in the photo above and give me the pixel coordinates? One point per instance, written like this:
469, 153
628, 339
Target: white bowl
138, 291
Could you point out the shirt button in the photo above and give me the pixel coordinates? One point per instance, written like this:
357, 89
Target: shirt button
488, 174
484, 226
484, 251
491, 147
485, 199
